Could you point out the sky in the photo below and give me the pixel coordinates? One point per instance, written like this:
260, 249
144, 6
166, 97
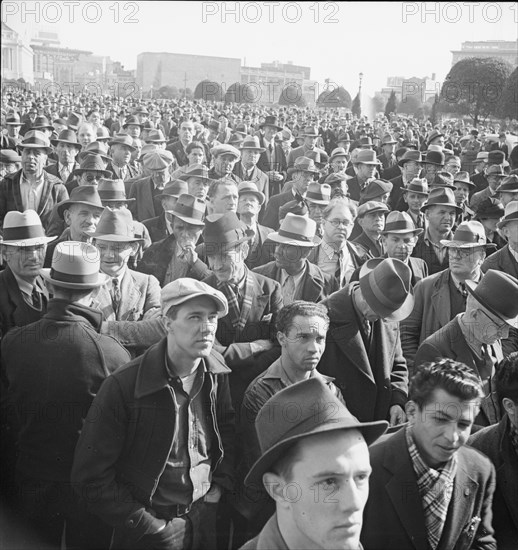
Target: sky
337, 40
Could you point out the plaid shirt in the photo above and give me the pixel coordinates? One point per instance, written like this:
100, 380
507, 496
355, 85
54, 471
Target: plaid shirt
435, 488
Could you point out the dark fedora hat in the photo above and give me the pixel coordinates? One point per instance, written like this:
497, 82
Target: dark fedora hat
83, 194
92, 163
434, 157
74, 120
271, 120
277, 431
66, 136
95, 148
410, 156
463, 177
13, 119
132, 120
495, 157
115, 225
42, 122
386, 286
441, 196
8, 156
174, 188
293, 207
417, 185
113, 191
443, 179
303, 164
508, 185
511, 214
224, 229
497, 291
490, 209
189, 209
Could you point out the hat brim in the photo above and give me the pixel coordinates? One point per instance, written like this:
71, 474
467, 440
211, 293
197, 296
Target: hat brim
370, 431
323, 202
102, 280
79, 171
81, 156
258, 194
74, 143
258, 149
471, 184
110, 143
186, 219
417, 231
33, 241
14, 123
281, 239
34, 146
462, 244
63, 205
279, 129
431, 162
185, 177
414, 191
295, 169
498, 190
387, 314
113, 237
425, 206
472, 289
122, 199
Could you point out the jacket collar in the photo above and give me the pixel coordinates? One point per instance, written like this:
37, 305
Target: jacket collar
63, 310
152, 373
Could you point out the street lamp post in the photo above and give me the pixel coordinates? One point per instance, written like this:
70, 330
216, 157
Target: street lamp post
360, 86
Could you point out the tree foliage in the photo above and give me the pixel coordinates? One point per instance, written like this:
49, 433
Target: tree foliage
241, 93
334, 96
356, 107
474, 87
208, 91
291, 95
379, 103
410, 105
508, 106
167, 92
391, 106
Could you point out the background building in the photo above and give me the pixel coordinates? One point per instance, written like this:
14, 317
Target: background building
17, 57
506, 50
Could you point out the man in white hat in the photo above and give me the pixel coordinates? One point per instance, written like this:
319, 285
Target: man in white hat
72, 358
32, 188
157, 446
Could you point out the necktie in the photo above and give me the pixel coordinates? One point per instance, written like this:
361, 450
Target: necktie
288, 290
270, 148
338, 273
487, 368
36, 299
65, 172
116, 295
462, 290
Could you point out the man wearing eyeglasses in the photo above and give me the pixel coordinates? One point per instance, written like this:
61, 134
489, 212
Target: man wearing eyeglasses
475, 336
335, 255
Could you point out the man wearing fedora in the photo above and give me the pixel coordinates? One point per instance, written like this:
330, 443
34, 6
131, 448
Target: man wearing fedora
133, 126
489, 213
499, 444
442, 296
10, 162
198, 180
475, 336
363, 348
310, 135
72, 358
492, 158
325, 510
176, 256
318, 196
302, 173
89, 172
506, 259
463, 186
410, 166
433, 162
160, 226
507, 191
12, 138
299, 279
273, 159
495, 175
121, 147
32, 188
371, 221
146, 190
67, 148
414, 196
254, 301
157, 446
387, 158
427, 488
365, 167
440, 210
247, 168
250, 201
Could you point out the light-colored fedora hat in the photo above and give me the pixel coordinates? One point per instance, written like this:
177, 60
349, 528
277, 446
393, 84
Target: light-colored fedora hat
23, 229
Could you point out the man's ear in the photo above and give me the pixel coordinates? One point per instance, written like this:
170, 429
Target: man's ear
509, 406
66, 217
281, 337
274, 485
411, 409
134, 248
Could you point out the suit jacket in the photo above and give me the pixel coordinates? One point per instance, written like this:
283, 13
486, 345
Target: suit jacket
53, 169
502, 260
145, 206
432, 310
369, 387
393, 518
315, 285
178, 152
136, 325
354, 188
396, 201
480, 196
417, 266
280, 164
449, 341
427, 253
495, 443
387, 162
480, 182
131, 172
271, 214
370, 248
261, 249
157, 227
156, 258
11, 199
392, 172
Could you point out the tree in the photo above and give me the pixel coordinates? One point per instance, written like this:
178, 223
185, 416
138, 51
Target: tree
356, 107
391, 106
208, 91
241, 93
334, 96
378, 103
435, 109
167, 92
291, 95
474, 87
508, 105
410, 105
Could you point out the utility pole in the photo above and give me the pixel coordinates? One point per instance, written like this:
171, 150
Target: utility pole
185, 85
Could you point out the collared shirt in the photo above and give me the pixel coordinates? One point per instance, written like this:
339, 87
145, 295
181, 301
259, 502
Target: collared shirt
439, 249
31, 192
297, 282
514, 253
25, 288
65, 170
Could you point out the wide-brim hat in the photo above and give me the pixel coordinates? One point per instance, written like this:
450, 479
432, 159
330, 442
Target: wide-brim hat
434, 135
66, 136
338, 152
511, 214
42, 122
497, 291
366, 156
189, 209
441, 196
123, 139
249, 187
94, 148
278, 431
132, 120
271, 121
469, 234
508, 185
443, 179
156, 136
75, 265
434, 157
417, 185
113, 191
495, 157
83, 194
400, 222
74, 120
410, 156
9, 156
296, 231
13, 120
35, 140
320, 158
388, 140
116, 226
386, 287
318, 193
224, 230
252, 142
310, 131
174, 188
463, 177
92, 163
303, 164
490, 208
23, 229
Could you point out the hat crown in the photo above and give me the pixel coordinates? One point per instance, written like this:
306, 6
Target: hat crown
304, 163
399, 221
434, 157
297, 226
189, 206
419, 185
366, 156
470, 232
495, 169
175, 188
318, 191
67, 135
85, 193
338, 152
92, 162
251, 142
511, 210
509, 183
122, 139
35, 139
115, 222
224, 229
462, 177
22, 225
75, 262
441, 196
111, 189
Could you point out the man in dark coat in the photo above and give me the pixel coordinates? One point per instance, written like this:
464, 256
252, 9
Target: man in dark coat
500, 443
427, 489
58, 364
177, 148
67, 149
272, 160
247, 169
363, 349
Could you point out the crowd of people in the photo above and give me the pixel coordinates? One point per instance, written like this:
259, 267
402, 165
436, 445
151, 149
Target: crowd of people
238, 326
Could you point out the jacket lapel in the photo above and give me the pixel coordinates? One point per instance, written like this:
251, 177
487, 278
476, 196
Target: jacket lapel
311, 289
440, 300
17, 192
102, 300
507, 473
130, 296
45, 195
350, 341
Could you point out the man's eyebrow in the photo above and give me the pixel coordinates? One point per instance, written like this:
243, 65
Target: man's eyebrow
332, 473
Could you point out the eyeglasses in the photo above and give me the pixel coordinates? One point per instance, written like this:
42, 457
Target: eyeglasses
501, 327
462, 252
338, 223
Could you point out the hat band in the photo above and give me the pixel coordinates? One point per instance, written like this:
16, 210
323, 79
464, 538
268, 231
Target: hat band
294, 236
316, 196
112, 195
187, 211
23, 232
512, 216
72, 277
466, 237
380, 295
399, 225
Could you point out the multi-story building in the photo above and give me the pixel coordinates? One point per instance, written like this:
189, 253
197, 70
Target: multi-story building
507, 50
17, 57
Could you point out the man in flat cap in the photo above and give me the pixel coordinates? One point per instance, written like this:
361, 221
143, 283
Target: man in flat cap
159, 479
225, 158
371, 220
146, 191
32, 188
315, 467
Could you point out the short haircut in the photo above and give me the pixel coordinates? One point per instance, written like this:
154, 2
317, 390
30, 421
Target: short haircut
302, 308
506, 378
214, 186
340, 201
195, 145
451, 376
